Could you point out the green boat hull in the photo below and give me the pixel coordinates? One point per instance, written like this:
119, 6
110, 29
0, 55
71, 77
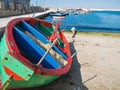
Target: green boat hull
16, 71
34, 80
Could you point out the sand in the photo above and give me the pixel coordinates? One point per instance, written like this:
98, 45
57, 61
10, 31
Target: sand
95, 67
99, 58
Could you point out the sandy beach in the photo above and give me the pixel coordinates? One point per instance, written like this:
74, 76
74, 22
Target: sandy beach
95, 67
99, 59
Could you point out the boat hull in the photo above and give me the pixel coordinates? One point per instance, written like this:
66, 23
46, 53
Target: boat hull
8, 66
59, 17
18, 71
37, 80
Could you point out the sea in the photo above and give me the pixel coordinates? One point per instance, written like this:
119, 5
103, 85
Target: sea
94, 21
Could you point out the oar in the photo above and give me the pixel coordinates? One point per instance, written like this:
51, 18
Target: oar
7, 82
74, 54
47, 52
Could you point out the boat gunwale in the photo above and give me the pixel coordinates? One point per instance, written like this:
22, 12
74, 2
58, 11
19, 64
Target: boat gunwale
14, 51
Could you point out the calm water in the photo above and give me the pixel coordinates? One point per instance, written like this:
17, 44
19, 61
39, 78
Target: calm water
99, 21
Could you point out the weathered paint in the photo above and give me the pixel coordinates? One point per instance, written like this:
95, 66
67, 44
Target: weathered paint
16, 68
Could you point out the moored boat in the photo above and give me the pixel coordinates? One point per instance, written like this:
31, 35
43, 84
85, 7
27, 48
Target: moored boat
33, 53
58, 15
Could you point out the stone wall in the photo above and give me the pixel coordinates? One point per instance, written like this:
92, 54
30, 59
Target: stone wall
18, 9
12, 12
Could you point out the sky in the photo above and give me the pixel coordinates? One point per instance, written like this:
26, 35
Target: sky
98, 4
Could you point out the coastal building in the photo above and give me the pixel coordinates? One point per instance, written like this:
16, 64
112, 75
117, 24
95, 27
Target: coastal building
18, 7
12, 4
2, 6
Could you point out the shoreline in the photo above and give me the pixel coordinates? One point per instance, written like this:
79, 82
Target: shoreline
110, 34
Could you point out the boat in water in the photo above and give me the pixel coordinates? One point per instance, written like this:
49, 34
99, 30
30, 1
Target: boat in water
33, 53
58, 15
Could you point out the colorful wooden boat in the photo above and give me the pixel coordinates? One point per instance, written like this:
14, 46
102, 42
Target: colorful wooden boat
33, 53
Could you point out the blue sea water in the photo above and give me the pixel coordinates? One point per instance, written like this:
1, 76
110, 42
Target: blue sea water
95, 21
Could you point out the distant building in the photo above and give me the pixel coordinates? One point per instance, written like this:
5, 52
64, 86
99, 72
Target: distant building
6, 3
22, 2
2, 6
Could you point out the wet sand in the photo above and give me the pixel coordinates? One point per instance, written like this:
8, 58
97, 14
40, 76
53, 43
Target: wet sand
95, 67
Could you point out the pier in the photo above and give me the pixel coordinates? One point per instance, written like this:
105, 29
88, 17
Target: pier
4, 21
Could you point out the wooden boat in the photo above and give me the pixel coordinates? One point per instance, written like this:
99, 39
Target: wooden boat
33, 53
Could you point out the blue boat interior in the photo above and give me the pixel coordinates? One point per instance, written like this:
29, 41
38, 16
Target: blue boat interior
30, 49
